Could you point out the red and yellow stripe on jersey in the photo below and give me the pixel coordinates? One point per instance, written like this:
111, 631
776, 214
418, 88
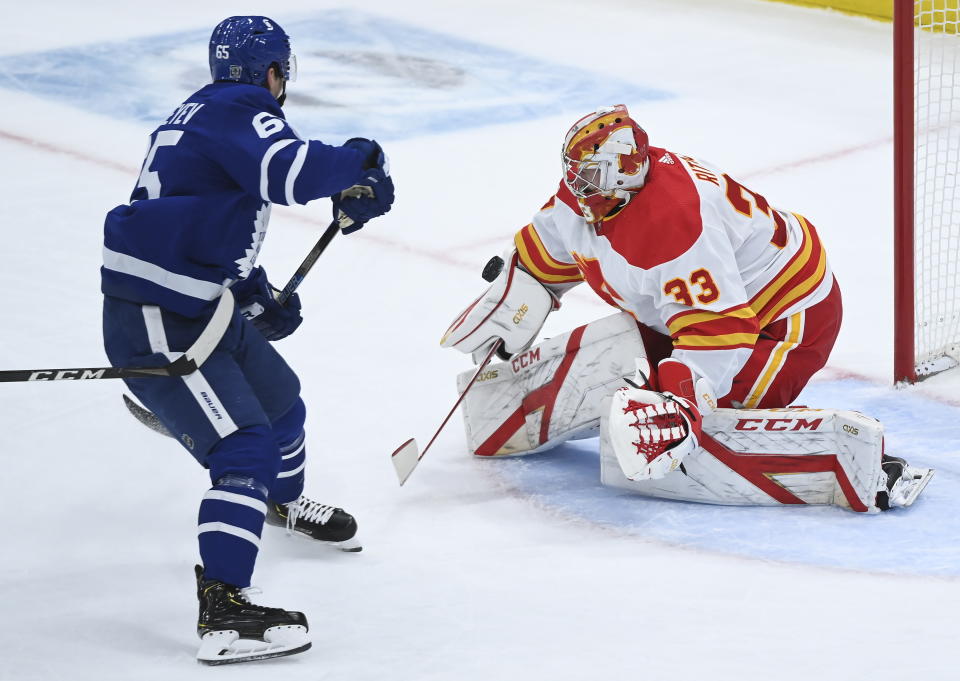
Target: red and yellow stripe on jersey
799, 278
735, 327
738, 327
537, 260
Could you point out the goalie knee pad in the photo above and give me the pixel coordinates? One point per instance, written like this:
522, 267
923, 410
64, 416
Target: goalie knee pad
553, 391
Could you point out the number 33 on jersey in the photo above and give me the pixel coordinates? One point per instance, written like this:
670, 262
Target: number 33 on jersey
695, 255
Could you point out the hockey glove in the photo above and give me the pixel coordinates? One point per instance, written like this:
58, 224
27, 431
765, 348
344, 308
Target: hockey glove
374, 198
371, 150
373, 195
257, 301
651, 432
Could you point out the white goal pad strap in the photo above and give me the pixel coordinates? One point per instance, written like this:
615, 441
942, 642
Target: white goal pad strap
770, 457
553, 391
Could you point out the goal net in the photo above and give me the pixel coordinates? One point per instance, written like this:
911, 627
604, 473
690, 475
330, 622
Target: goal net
927, 165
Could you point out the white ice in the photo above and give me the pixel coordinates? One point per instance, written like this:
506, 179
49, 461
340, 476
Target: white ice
474, 570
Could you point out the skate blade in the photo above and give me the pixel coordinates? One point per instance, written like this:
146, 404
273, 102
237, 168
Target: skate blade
351, 545
226, 647
920, 479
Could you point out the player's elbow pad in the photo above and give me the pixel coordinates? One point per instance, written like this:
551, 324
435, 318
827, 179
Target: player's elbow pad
512, 309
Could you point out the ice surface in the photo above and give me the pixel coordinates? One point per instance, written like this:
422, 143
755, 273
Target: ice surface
565, 481
473, 570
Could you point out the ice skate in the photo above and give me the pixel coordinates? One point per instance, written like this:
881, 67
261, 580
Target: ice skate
319, 522
232, 629
904, 483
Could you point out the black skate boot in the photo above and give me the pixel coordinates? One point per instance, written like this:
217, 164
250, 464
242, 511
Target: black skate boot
232, 629
320, 522
904, 483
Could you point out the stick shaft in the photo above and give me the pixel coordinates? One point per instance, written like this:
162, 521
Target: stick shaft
81, 374
483, 365
187, 363
309, 261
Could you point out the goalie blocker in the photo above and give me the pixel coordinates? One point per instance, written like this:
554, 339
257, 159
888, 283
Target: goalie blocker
563, 388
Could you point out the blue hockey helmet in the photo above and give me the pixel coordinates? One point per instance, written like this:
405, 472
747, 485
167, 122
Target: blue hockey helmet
243, 48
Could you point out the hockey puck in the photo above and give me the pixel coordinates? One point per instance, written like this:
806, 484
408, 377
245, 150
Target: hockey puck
493, 268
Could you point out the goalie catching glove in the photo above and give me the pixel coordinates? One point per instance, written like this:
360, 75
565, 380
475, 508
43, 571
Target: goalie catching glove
512, 310
651, 432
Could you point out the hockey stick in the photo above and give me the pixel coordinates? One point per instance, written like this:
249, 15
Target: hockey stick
406, 457
145, 416
148, 418
331, 231
189, 362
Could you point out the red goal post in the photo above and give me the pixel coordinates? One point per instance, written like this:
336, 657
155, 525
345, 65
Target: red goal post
926, 187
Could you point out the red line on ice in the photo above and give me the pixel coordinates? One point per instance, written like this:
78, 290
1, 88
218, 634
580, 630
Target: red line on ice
54, 149
391, 244
446, 258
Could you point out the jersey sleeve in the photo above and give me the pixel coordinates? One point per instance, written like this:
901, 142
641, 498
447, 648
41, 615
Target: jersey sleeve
542, 254
705, 308
263, 154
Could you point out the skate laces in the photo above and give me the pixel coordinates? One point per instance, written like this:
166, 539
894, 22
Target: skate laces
248, 592
310, 511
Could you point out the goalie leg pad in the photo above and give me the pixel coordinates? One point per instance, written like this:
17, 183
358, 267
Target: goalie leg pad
771, 457
552, 392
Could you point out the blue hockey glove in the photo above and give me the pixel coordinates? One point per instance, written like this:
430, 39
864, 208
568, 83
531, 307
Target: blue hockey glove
371, 197
257, 301
371, 150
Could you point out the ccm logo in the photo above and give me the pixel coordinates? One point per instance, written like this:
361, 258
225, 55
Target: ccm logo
525, 360
778, 424
521, 313
65, 375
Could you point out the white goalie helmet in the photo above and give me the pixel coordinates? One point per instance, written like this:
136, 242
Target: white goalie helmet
605, 160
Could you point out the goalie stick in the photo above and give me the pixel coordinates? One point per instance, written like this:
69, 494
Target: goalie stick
186, 364
406, 457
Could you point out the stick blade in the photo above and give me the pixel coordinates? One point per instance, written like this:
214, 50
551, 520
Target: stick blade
146, 417
405, 458
211, 335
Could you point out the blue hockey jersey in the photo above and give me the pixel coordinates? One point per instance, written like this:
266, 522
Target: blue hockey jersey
199, 212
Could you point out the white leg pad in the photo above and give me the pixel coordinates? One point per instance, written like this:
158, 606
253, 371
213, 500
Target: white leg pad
771, 457
553, 391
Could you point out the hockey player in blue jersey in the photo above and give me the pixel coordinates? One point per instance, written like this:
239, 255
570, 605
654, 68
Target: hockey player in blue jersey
193, 227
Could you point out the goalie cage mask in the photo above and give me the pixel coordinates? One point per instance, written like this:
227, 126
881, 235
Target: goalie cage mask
605, 160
